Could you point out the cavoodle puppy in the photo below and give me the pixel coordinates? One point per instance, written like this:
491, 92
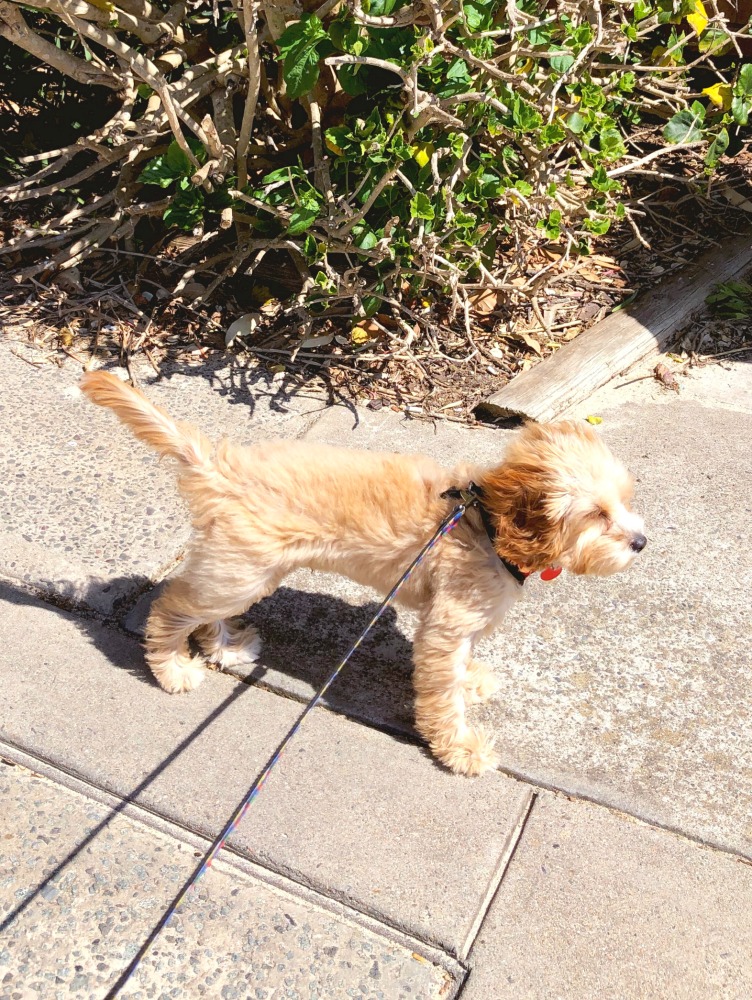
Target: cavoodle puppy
558, 499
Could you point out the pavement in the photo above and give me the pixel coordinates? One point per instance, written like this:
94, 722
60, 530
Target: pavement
610, 856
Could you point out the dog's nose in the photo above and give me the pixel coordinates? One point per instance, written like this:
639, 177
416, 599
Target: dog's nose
638, 543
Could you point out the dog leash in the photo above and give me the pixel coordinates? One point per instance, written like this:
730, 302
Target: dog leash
467, 499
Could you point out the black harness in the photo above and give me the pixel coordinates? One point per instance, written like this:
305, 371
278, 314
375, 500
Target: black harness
473, 496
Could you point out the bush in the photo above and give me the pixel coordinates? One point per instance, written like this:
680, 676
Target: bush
388, 147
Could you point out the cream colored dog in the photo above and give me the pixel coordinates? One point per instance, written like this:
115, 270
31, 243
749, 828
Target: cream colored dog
558, 498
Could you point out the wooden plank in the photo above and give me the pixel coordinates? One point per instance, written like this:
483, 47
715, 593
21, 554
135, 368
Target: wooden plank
612, 346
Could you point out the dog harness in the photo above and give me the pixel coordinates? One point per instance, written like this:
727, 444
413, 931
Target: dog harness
473, 496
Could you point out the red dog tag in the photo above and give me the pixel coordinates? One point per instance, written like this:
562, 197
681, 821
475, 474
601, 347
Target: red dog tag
551, 573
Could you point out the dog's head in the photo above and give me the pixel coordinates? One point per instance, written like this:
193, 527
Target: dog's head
561, 498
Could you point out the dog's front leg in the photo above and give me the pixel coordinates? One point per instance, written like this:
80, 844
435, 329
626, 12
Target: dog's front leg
442, 655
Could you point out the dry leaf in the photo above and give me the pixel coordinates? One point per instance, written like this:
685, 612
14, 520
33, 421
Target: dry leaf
666, 377
359, 336
243, 326
317, 341
531, 342
594, 420
484, 301
496, 352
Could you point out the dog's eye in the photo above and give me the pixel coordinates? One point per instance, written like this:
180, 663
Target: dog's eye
604, 518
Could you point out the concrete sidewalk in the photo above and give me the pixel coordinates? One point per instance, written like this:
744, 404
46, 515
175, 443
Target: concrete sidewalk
611, 856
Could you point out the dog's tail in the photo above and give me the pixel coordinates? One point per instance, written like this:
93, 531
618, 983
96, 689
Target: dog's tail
150, 424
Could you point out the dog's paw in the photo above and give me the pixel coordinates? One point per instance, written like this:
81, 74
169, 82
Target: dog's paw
481, 683
177, 673
471, 754
230, 643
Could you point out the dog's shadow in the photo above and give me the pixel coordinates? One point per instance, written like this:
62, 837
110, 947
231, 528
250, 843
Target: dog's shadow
304, 634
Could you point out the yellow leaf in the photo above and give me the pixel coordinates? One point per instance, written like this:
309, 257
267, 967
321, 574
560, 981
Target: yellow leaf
333, 147
594, 420
422, 152
698, 18
720, 94
358, 335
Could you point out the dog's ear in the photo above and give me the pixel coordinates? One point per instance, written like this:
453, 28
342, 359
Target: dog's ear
526, 516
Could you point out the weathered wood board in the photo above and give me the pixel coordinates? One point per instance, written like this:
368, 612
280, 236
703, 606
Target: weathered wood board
625, 337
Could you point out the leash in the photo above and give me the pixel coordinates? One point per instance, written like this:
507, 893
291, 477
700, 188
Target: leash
450, 521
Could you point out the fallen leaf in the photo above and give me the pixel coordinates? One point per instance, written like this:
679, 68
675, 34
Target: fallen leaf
666, 377
243, 326
484, 301
322, 341
359, 336
594, 420
531, 342
276, 369
496, 352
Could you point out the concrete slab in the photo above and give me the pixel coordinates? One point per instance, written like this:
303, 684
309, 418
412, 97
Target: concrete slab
87, 513
595, 906
351, 812
82, 887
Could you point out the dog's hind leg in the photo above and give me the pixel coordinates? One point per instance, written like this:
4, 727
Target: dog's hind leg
229, 642
193, 604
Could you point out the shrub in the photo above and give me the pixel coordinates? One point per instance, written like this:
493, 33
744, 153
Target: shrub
388, 147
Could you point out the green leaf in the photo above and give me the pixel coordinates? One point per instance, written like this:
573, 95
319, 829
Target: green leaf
186, 210
685, 126
611, 144
600, 180
576, 122
353, 79
479, 14
308, 29
301, 68
282, 174
551, 134
301, 219
744, 83
717, 148
177, 160
540, 35
157, 172
740, 109
552, 225
561, 60
524, 187
627, 83
421, 207
524, 115
597, 226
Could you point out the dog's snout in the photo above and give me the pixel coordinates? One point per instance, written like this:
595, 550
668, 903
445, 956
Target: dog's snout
638, 543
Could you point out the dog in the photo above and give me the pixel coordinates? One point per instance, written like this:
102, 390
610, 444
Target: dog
557, 499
